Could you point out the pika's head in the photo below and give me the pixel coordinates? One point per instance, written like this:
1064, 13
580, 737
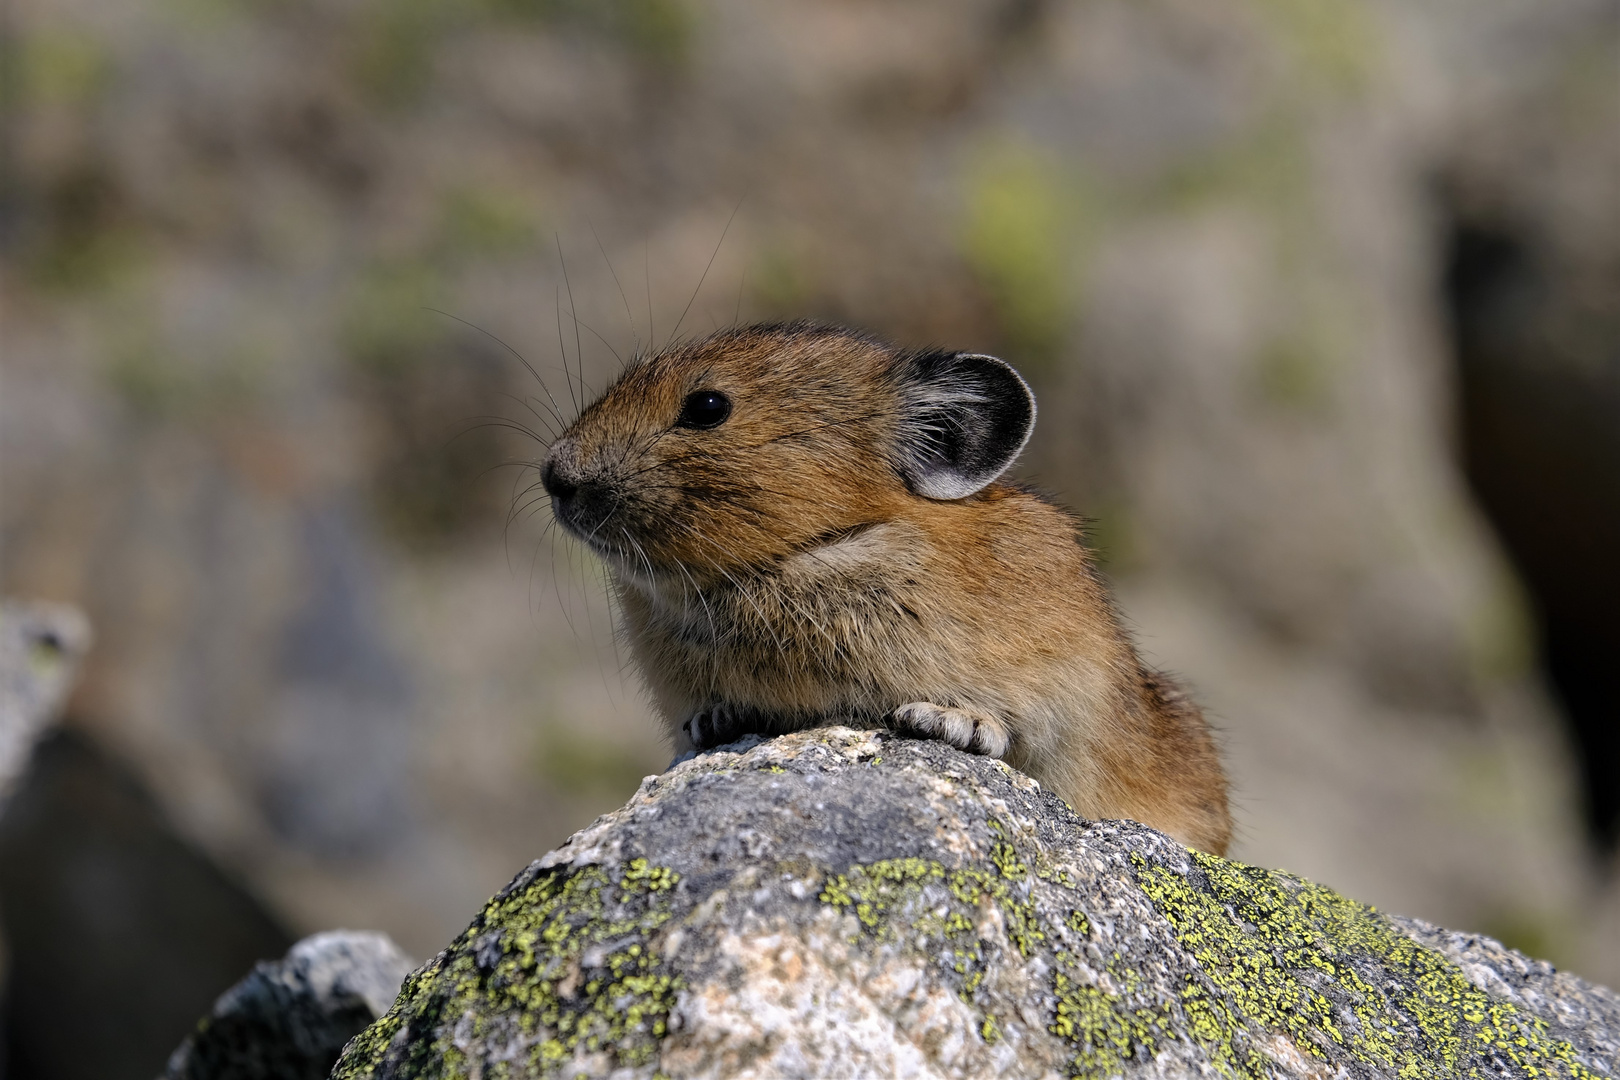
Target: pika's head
754, 444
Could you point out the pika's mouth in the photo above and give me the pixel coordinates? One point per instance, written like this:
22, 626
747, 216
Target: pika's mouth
597, 524
584, 505
588, 523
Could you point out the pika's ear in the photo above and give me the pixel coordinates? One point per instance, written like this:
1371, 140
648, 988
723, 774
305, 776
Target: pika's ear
963, 419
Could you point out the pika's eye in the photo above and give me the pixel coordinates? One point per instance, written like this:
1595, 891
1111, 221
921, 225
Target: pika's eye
704, 409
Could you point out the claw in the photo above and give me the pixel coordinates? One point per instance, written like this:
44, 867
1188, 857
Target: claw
965, 729
718, 724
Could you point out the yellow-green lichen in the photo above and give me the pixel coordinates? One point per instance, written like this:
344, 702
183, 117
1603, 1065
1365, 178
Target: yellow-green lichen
641, 873
1277, 948
1106, 1030
900, 899
565, 966
551, 969
1273, 956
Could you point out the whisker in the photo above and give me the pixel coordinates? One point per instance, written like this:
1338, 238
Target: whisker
713, 655
603, 340
646, 277
568, 376
631, 319
520, 357
556, 587
573, 313
505, 465
741, 589
526, 403
705, 276
530, 508
609, 588
478, 423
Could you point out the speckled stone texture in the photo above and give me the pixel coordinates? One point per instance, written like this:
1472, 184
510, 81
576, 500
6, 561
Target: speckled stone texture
289, 1019
843, 903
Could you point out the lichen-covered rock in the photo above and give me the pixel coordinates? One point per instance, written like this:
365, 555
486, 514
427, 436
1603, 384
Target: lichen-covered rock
289, 1019
842, 903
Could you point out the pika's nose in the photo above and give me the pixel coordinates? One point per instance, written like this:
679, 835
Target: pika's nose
558, 486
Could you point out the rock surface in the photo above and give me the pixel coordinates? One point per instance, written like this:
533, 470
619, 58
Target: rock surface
841, 903
289, 1019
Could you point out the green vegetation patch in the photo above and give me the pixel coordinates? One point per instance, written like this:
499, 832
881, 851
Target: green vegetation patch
552, 970
485, 222
1335, 44
656, 31
54, 67
1025, 224
579, 765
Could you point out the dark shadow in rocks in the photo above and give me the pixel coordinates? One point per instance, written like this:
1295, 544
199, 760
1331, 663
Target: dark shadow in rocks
1538, 367
118, 933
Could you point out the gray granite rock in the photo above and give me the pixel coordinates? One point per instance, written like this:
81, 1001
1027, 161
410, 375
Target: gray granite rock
290, 1018
843, 903
1575, 1011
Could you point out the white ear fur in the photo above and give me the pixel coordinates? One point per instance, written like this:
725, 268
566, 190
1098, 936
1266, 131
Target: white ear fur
965, 418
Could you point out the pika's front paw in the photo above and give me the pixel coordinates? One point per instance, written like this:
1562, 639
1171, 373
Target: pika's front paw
965, 729
720, 723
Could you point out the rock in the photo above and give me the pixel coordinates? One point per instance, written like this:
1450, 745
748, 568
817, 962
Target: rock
842, 903
289, 1019
40, 649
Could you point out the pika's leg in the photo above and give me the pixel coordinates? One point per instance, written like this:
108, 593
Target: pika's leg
721, 723
965, 729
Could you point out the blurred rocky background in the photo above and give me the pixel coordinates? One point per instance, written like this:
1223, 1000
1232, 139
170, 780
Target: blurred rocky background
1321, 299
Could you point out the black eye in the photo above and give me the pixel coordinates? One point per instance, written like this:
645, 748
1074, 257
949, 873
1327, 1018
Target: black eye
704, 409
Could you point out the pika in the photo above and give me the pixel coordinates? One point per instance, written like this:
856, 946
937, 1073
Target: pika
807, 525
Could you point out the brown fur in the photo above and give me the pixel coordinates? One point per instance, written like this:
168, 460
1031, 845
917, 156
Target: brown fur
777, 572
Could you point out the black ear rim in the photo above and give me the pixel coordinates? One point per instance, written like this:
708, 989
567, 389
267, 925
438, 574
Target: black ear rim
934, 471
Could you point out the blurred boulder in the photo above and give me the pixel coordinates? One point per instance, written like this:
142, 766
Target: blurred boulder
289, 1018
41, 646
838, 902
